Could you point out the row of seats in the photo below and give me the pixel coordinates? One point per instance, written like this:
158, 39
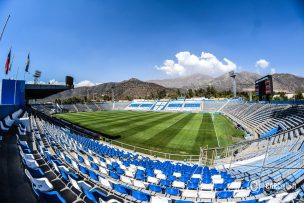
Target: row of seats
8, 121
128, 173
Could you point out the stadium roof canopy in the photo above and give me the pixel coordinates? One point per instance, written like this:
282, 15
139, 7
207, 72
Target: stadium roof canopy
41, 91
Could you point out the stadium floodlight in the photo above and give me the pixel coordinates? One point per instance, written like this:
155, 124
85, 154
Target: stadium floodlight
113, 95
232, 74
37, 75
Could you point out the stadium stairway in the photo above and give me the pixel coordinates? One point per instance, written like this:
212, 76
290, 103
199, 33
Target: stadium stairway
13, 185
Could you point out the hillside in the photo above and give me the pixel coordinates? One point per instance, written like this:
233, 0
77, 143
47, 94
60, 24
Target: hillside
282, 82
192, 81
133, 88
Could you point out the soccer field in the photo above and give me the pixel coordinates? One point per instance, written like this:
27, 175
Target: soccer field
182, 133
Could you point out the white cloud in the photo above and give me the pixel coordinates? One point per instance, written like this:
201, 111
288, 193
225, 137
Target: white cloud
273, 71
188, 63
84, 83
262, 63
55, 82
32, 82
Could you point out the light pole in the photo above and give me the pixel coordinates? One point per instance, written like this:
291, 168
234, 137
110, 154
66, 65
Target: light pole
8, 17
113, 99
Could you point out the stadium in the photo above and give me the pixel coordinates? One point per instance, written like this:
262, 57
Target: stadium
185, 149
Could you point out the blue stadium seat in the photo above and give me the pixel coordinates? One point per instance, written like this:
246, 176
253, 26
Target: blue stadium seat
114, 175
250, 201
172, 191
183, 201
121, 189
155, 188
80, 159
52, 197
36, 172
224, 194
94, 166
82, 169
220, 186
166, 183
140, 196
93, 175
192, 186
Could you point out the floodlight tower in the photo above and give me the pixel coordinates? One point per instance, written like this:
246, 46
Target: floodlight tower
113, 99
37, 75
232, 74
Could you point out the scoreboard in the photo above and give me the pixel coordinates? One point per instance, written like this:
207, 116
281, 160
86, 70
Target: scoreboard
264, 88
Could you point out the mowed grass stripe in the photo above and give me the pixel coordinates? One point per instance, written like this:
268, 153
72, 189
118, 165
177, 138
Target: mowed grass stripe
125, 126
164, 137
122, 123
200, 137
130, 133
142, 137
103, 121
84, 118
133, 120
226, 130
185, 139
208, 131
108, 126
182, 133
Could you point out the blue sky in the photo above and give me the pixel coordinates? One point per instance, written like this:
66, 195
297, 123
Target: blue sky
113, 40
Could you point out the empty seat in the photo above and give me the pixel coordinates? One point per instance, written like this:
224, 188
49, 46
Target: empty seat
140, 196
41, 184
155, 188
152, 180
190, 193
3, 128
206, 194
172, 191
178, 184
139, 184
234, 185
126, 179
156, 199
105, 183
52, 196
241, 193
121, 189
224, 194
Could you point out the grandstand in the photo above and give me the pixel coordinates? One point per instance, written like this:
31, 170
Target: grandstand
56, 161
65, 166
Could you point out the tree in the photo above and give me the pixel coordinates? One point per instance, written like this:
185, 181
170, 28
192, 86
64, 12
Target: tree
282, 96
161, 94
299, 96
190, 93
178, 93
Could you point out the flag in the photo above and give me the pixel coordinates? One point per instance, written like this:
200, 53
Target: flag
7, 64
27, 63
11, 64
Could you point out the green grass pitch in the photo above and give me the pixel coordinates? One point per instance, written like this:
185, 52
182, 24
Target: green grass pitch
182, 133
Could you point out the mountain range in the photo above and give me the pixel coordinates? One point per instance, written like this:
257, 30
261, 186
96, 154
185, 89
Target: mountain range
282, 82
134, 88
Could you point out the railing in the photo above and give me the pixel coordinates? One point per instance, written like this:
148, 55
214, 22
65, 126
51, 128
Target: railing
210, 156
153, 153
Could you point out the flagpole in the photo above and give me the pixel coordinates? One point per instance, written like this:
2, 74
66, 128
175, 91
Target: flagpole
15, 91
8, 17
27, 63
17, 73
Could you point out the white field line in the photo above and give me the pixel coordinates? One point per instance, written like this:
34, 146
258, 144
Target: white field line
218, 142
